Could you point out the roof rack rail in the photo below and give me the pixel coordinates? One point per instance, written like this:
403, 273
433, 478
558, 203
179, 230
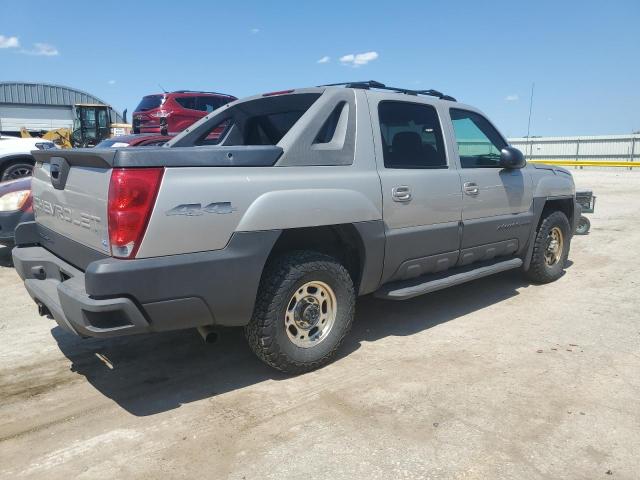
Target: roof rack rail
200, 91
368, 84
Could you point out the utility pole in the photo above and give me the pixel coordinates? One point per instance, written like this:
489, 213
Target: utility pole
529, 123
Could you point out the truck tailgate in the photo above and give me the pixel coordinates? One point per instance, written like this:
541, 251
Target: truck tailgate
70, 194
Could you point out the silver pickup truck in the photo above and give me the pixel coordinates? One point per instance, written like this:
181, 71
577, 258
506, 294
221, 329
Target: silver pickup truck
276, 211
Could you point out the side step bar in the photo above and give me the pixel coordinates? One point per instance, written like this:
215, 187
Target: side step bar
408, 289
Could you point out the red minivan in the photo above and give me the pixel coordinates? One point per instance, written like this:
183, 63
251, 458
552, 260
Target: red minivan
170, 113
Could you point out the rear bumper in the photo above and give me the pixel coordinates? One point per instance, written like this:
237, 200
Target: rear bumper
59, 290
121, 297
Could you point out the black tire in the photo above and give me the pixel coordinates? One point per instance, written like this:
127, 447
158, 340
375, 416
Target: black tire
266, 332
18, 169
539, 270
583, 226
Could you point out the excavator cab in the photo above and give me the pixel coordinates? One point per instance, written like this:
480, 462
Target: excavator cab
91, 125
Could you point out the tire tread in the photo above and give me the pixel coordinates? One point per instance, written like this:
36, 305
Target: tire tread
276, 281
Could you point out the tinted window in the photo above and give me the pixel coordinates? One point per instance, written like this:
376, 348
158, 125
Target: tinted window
411, 136
479, 144
102, 119
259, 122
150, 102
209, 104
186, 102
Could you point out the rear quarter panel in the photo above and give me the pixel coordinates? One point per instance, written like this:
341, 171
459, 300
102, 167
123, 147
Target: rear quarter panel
261, 198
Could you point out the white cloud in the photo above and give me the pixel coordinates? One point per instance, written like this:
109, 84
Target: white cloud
358, 59
324, 59
111, 82
9, 42
512, 98
43, 49
254, 31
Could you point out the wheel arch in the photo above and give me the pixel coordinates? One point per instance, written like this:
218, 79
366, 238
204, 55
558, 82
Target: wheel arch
542, 207
358, 246
565, 205
14, 158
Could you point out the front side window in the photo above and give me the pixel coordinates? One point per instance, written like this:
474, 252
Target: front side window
411, 136
479, 144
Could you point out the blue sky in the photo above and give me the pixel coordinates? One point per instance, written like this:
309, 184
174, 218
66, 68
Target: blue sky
582, 55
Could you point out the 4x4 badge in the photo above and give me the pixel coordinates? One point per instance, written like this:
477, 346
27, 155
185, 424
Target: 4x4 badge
195, 209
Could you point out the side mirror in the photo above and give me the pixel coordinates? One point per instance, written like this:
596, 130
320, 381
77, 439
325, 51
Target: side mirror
511, 158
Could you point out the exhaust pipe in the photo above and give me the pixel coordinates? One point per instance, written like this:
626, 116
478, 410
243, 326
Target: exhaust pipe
209, 334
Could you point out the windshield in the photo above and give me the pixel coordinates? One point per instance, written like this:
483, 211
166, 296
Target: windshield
150, 102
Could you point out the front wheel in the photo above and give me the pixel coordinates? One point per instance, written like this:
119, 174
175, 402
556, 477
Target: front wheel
304, 309
550, 249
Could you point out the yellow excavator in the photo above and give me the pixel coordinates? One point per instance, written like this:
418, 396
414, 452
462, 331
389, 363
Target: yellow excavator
91, 125
60, 136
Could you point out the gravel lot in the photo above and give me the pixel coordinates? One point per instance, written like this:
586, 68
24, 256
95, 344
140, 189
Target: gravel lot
492, 379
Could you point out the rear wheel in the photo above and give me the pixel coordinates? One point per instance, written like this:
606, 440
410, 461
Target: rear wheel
17, 170
304, 309
551, 249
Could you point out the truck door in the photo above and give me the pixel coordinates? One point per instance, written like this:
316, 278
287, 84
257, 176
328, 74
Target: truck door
496, 210
422, 196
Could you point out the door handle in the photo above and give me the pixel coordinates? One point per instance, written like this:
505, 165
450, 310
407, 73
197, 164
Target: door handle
401, 193
471, 188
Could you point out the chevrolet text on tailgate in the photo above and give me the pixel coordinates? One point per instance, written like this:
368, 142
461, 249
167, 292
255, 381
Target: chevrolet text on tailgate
276, 211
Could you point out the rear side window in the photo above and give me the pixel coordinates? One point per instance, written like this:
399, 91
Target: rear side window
479, 144
259, 122
186, 102
150, 102
209, 104
411, 136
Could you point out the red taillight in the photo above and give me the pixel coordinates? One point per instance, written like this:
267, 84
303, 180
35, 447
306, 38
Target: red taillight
132, 194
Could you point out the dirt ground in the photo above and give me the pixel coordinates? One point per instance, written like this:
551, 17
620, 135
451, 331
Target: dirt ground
493, 379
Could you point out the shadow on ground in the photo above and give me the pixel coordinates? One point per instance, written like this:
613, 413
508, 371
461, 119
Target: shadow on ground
147, 374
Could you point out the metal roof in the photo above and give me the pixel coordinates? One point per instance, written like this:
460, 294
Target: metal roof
31, 93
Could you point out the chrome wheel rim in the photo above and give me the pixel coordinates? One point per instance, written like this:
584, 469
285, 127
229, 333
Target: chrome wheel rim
555, 247
310, 314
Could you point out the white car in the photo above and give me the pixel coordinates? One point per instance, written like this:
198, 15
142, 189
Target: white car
16, 160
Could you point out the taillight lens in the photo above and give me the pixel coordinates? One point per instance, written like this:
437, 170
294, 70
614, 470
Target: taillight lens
132, 194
